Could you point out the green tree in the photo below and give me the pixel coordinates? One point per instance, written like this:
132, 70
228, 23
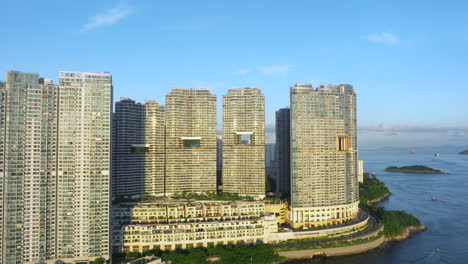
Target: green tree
99, 261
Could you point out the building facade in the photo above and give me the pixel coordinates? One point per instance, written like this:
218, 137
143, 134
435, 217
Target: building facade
169, 225
324, 182
361, 171
190, 141
283, 150
55, 162
183, 224
270, 160
128, 148
28, 108
244, 142
155, 149
83, 165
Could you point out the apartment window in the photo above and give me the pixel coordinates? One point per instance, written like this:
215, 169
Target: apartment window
342, 142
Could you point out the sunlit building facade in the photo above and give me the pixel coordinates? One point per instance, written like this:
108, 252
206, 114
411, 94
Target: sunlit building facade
244, 142
155, 149
190, 141
83, 165
324, 182
55, 163
28, 109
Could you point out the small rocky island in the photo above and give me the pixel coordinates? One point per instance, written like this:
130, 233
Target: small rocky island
464, 152
415, 169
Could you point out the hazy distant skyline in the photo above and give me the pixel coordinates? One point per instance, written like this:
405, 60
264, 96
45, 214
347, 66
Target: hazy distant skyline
407, 59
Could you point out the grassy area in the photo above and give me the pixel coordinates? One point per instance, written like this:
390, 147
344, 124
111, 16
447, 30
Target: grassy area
396, 222
231, 254
212, 196
371, 189
414, 169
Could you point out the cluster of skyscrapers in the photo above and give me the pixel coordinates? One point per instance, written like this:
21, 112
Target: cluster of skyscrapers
163, 150
64, 156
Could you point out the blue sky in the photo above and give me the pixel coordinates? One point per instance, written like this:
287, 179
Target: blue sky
408, 60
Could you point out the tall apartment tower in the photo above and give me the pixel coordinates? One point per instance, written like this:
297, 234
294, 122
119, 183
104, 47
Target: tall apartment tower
128, 148
55, 158
244, 142
83, 165
324, 183
190, 141
28, 151
270, 160
283, 146
155, 149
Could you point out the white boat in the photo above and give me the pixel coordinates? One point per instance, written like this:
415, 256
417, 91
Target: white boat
433, 198
436, 154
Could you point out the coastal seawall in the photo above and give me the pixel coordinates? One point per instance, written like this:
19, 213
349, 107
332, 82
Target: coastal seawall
336, 251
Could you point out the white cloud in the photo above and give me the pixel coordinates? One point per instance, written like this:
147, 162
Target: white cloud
242, 71
108, 17
382, 38
277, 69
457, 130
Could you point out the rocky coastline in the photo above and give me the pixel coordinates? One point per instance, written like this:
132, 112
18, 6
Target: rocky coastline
380, 199
406, 234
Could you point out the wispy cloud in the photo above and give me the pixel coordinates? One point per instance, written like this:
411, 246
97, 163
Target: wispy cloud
382, 38
277, 69
242, 71
108, 17
459, 130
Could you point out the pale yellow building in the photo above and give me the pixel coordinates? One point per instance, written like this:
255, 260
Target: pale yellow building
324, 182
155, 149
171, 224
139, 227
190, 141
244, 142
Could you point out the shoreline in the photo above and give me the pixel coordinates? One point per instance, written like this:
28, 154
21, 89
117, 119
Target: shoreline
380, 199
418, 172
406, 234
355, 249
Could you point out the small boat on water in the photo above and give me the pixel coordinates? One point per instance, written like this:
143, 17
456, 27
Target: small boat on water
433, 198
412, 151
436, 154
374, 174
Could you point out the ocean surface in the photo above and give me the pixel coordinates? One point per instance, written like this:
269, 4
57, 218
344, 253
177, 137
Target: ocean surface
446, 240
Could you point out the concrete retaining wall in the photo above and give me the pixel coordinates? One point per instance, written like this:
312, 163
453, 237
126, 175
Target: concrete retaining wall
339, 251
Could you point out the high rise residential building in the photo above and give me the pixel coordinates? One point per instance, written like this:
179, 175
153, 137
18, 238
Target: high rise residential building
28, 209
155, 149
270, 160
361, 171
324, 183
219, 153
128, 148
190, 141
84, 138
244, 142
55, 158
283, 163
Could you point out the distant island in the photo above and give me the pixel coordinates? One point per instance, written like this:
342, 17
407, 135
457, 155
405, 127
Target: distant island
415, 169
464, 152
